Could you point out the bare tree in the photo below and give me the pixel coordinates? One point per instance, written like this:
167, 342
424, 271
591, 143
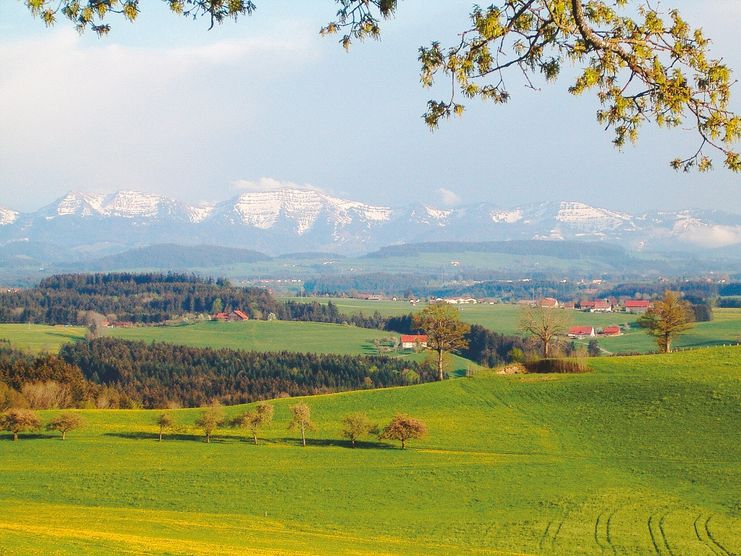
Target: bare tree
546, 325
64, 423
301, 418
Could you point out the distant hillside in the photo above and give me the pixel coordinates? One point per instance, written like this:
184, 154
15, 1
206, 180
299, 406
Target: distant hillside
169, 256
558, 249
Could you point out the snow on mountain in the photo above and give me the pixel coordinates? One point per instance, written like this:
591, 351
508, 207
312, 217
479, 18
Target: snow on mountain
302, 209
291, 219
7, 216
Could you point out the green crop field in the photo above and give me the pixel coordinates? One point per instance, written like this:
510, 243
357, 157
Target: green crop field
642, 456
261, 336
37, 337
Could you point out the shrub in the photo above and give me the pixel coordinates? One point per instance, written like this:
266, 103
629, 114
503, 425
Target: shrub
556, 366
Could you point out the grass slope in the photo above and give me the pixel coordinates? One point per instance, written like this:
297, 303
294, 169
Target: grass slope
38, 337
643, 456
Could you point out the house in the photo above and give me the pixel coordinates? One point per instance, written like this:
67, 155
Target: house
598, 306
238, 315
637, 305
611, 331
221, 316
548, 303
412, 341
581, 331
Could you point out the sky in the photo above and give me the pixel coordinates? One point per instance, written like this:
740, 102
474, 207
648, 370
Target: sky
166, 106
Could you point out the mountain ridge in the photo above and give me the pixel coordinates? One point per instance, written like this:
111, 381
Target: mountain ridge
291, 219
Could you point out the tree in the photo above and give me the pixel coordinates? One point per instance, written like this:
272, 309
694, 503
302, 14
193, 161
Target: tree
9, 398
19, 420
356, 426
593, 348
645, 66
545, 325
210, 419
445, 332
257, 419
165, 422
667, 318
301, 418
217, 306
64, 423
403, 427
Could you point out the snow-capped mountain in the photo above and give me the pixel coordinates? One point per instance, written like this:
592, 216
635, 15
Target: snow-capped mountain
292, 220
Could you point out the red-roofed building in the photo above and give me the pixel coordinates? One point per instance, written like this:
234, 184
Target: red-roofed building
581, 331
637, 305
548, 303
611, 331
239, 315
412, 341
221, 316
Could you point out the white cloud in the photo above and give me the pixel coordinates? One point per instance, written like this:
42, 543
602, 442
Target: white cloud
712, 236
448, 198
271, 184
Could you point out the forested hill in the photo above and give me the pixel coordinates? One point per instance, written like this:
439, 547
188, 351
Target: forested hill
154, 298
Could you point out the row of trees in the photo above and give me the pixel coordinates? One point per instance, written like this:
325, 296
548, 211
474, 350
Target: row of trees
355, 426
18, 420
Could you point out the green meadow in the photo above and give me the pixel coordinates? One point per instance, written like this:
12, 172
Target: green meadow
641, 456
38, 338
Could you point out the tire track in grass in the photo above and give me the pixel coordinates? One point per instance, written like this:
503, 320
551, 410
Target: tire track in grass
544, 536
596, 531
608, 531
651, 532
662, 520
555, 535
723, 549
705, 541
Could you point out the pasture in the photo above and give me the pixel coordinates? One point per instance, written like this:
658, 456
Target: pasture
38, 338
642, 456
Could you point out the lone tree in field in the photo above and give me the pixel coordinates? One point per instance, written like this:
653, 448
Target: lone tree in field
64, 423
210, 420
301, 419
403, 427
355, 426
16, 421
545, 324
642, 64
667, 318
445, 331
257, 419
165, 422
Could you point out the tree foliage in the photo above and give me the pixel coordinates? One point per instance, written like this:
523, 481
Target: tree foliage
256, 419
444, 329
403, 428
165, 422
644, 65
16, 421
667, 318
210, 419
546, 325
301, 419
64, 423
356, 426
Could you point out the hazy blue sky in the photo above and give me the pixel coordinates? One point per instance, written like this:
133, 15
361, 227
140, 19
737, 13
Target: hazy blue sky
166, 106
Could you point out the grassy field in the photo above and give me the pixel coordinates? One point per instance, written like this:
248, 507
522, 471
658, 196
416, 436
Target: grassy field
37, 337
642, 456
724, 329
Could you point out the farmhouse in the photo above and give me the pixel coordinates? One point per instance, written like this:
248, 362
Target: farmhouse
221, 317
549, 303
598, 306
412, 341
611, 331
637, 305
581, 331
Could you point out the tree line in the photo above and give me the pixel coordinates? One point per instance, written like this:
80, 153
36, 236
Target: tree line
355, 426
